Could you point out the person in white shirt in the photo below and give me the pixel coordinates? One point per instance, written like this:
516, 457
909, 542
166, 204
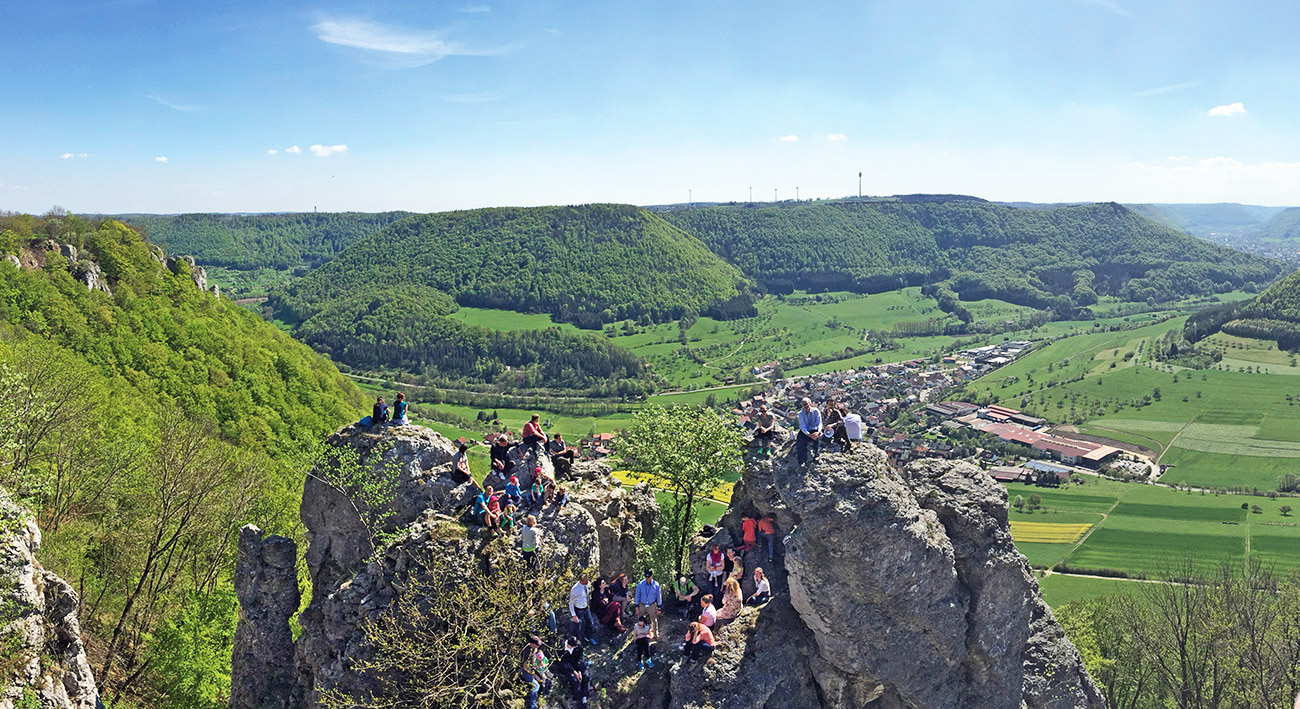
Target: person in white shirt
580, 621
707, 614
762, 589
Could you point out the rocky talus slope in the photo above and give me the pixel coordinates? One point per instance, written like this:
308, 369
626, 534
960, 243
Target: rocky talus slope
42, 660
894, 589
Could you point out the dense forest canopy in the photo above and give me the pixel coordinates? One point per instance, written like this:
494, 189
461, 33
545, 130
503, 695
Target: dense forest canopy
1272, 315
1034, 257
146, 420
280, 241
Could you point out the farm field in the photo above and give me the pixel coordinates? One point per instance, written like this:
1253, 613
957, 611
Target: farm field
1141, 529
1059, 589
1213, 428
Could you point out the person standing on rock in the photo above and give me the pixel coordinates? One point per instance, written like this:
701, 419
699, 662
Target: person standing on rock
573, 668
530, 538
767, 530
810, 431
765, 430
534, 672
715, 562
648, 599
580, 623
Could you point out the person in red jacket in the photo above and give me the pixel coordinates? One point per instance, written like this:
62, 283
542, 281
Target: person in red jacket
767, 530
749, 525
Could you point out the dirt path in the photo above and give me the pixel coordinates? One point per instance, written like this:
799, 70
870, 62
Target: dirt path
1174, 440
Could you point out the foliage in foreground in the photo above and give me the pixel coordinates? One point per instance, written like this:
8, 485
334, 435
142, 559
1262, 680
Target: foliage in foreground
1193, 642
454, 636
689, 451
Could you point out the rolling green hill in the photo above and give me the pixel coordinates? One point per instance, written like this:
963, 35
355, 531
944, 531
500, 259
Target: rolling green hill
1283, 227
1059, 258
279, 241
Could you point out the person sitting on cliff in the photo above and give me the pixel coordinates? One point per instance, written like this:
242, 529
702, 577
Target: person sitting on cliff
536, 493
501, 458
533, 437
699, 642
686, 592
562, 455
618, 589
460, 472
509, 518
399, 410
732, 600
762, 589
379, 414
513, 494
573, 669
715, 562
708, 615
765, 430
609, 612
561, 498
833, 422
492, 516
643, 633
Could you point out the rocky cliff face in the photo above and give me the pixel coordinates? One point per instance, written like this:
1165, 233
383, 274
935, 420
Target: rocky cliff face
894, 589
349, 586
907, 588
42, 660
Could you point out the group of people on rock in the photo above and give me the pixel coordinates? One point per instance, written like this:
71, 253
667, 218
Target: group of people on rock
606, 602
380, 413
835, 423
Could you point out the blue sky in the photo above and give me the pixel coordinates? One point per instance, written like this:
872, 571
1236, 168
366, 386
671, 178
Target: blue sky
147, 105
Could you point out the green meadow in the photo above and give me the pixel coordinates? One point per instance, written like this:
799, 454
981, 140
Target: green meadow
1143, 530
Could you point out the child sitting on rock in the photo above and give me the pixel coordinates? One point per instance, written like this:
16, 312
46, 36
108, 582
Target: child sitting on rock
641, 631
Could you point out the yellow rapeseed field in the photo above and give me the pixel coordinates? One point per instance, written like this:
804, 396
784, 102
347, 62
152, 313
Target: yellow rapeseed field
721, 493
1047, 532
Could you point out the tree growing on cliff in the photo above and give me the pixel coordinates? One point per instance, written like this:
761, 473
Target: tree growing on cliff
689, 450
368, 483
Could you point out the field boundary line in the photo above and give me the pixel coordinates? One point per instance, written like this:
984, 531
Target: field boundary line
1104, 516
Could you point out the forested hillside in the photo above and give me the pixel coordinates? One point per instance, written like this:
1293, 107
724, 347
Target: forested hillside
145, 420
1272, 315
589, 265
1283, 227
1059, 258
281, 241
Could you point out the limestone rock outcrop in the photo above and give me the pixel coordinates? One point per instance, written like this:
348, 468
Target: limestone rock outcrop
350, 585
197, 272
43, 662
909, 586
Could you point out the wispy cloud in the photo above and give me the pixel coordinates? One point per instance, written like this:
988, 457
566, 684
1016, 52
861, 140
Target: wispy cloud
161, 158
293, 150
836, 137
70, 156
788, 138
1228, 109
185, 107
483, 97
476, 8
325, 151
1111, 6
1162, 90
272, 151
394, 47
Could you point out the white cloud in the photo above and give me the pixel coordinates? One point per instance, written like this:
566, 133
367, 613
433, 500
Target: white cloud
788, 138
294, 150
836, 137
325, 151
395, 47
1228, 109
1216, 179
272, 151
476, 8
185, 107
1177, 157
161, 158
69, 156
1162, 90
1110, 5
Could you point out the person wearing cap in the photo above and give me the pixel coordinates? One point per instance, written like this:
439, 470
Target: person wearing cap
648, 598
534, 672
501, 460
513, 494
810, 431
686, 592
